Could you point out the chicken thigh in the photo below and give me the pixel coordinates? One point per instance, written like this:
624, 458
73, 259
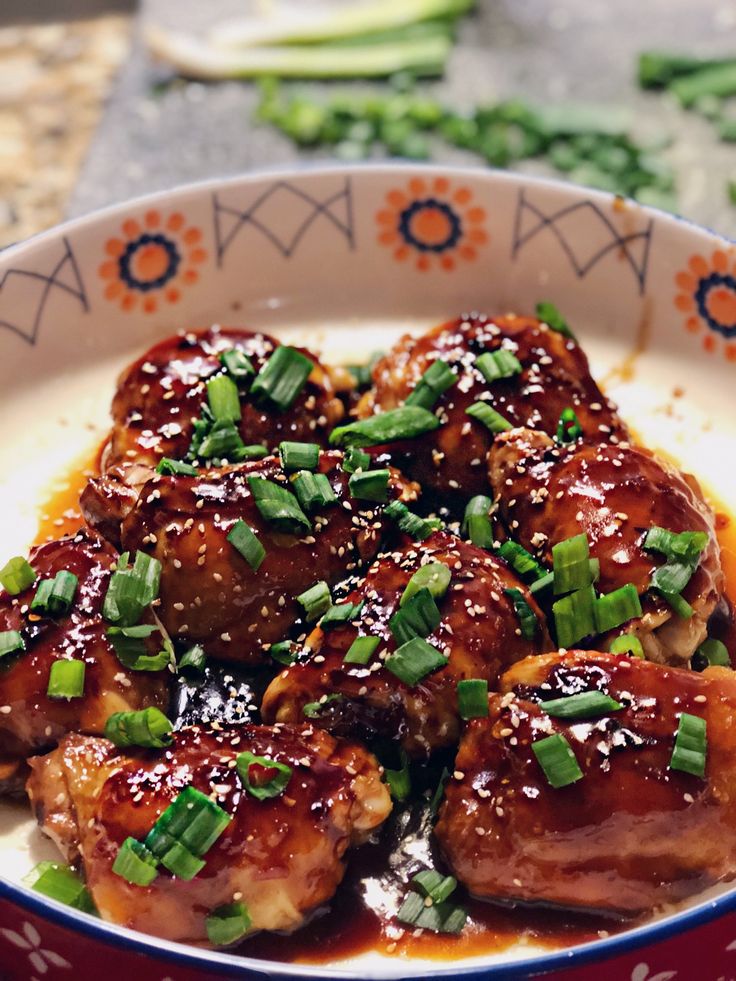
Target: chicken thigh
210, 593
280, 853
477, 633
547, 493
622, 827
553, 375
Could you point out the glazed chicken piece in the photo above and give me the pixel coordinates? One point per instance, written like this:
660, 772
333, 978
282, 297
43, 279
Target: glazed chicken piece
160, 395
449, 463
479, 632
281, 856
31, 721
629, 835
209, 593
547, 493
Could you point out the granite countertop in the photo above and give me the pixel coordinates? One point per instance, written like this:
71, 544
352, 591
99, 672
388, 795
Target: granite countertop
55, 80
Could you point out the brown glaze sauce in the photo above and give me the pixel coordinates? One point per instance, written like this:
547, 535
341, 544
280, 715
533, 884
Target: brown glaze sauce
361, 917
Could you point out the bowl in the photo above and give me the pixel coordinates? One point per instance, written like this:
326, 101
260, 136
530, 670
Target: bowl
346, 259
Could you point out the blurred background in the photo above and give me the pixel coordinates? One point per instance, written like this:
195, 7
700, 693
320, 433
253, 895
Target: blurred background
101, 100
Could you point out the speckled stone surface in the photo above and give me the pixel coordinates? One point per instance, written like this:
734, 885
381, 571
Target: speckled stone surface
542, 50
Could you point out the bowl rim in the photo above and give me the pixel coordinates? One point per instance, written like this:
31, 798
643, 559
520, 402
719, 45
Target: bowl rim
239, 966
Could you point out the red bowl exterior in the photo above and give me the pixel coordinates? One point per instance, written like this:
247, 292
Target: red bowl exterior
36, 948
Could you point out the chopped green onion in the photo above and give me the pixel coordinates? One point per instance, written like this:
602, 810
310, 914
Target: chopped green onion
237, 365
437, 917
313, 709
244, 541
284, 652
130, 591
363, 373
570, 564
627, 644
16, 575
494, 365
176, 468
528, 623
568, 428
476, 521
554, 754
417, 618
691, 745
355, 459
224, 399
712, 653
543, 584
313, 490
615, 608
222, 442
472, 698
11, 642
185, 832
135, 863
298, 456
339, 614
278, 505
583, 705
228, 924
439, 793
549, 314
717, 80
432, 385
414, 660
149, 727
282, 378
574, 616
193, 660
491, 419
361, 650
61, 883
54, 597
434, 885
434, 576
370, 485
685, 546
316, 601
671, 577
411, 524
261, 776
130, 648
522, 562
399, 781
406, 422
679, 604
66, 679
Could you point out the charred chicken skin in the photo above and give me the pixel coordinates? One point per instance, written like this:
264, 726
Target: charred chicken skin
31, 720
210, 593
162, 393
547, 493
633, 831
478, 633
281, 857
450, 462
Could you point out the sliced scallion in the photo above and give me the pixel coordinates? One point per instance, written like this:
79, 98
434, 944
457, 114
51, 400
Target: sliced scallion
149, 727
491, 419
227, 924
570, 564
243, 539
315, 601
176, 468
574, 616
186, 831
434, 885
17, 575
224, 399
399, 781
434, 383
54, 597
406, 422
66, 679
238, 365
282, 378
61, 883
711, 653
555, 756
549, 314
472, 698
434, 576
313, 710
522, 562
11, 642
417, 618
284, 652
617, 607
313, 490
691, 745
135, 863
414, 660
476, 521
355, 459
627, 644
370, 485
193, 660
131, 650
298, 456
262, 776
361, 650
411, 524
278, 505
568, 428
494, 365
583, 705
339, 614
528, 623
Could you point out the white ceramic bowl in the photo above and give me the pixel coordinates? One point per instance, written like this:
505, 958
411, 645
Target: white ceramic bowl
345, 259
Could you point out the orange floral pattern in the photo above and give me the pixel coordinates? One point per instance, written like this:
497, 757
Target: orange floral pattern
706, 295
432, 224
154, 258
